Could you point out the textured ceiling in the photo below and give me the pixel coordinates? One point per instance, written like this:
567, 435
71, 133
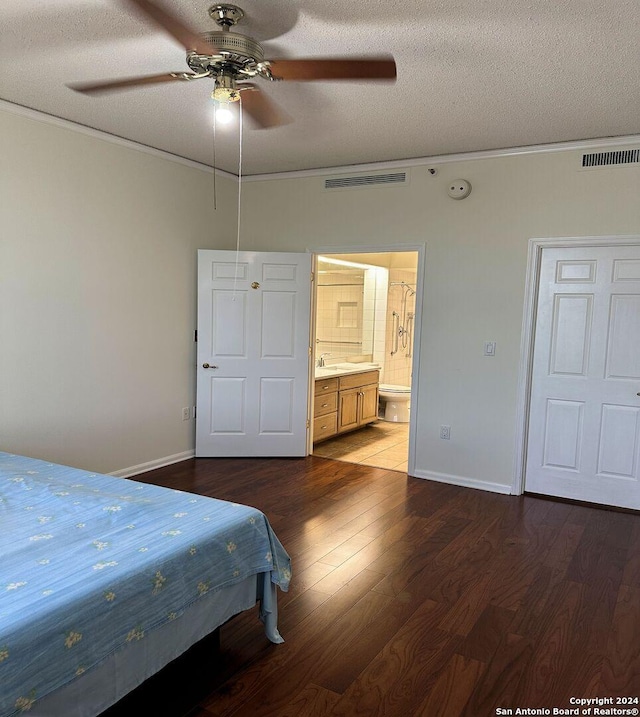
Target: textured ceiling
472, 75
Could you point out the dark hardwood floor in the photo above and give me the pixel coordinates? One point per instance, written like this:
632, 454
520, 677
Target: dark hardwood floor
413, 598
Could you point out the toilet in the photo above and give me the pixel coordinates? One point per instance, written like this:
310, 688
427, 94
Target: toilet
394, 402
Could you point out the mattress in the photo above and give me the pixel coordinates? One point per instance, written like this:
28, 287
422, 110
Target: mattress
91, 565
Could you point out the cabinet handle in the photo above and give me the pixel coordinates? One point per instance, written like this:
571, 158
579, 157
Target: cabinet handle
324, 405
322, 428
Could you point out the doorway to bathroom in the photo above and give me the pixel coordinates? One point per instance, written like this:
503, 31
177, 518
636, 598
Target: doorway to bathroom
363, 335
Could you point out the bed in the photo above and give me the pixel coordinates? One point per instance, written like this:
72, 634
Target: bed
104, 580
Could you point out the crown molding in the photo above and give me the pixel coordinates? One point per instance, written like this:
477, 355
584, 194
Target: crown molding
576, 145
39, 116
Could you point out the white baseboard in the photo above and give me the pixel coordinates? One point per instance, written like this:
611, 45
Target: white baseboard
151, 465
463, 481
427, 475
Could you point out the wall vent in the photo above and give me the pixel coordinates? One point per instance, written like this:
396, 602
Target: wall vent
608, 159
365, 180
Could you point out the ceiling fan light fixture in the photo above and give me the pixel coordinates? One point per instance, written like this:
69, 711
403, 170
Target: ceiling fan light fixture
223, 113
225, 94
230, 58
225, 89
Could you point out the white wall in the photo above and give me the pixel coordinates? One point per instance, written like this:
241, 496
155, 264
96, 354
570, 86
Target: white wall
97, 286
476, 254
97, 295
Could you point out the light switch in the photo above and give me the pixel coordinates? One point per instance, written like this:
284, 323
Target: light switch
489, 348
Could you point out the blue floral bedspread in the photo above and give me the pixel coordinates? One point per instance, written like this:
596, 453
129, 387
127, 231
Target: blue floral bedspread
89, 563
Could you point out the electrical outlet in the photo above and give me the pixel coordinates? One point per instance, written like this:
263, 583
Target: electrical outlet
186, 413
445, 432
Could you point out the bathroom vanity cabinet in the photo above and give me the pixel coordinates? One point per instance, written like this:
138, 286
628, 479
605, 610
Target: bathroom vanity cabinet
344, 403
325, 412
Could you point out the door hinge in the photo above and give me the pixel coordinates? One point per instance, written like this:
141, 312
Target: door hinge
308, 423
195, 335
313, 277
309, 350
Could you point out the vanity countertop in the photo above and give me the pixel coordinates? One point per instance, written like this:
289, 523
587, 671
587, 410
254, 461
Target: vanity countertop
342, 369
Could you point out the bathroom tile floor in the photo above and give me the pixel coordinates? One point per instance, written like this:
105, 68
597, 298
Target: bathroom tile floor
382, 444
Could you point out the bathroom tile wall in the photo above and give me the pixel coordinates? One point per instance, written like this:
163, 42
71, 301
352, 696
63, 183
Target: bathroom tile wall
397, 366
339, 323
379, 279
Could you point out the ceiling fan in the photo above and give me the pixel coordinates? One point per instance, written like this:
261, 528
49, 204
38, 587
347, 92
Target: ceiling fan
232, 60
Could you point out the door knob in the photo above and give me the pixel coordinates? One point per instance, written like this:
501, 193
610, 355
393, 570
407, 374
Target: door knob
206, 365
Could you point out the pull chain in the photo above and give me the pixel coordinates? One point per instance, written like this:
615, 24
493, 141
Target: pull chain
235, 279
215, 190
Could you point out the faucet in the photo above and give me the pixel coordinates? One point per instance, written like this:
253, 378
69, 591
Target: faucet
320, 361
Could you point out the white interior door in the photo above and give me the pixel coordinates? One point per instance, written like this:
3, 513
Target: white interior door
253, 353
584, 425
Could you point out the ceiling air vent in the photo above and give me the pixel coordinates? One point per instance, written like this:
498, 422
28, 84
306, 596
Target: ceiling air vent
609, 159
365, 180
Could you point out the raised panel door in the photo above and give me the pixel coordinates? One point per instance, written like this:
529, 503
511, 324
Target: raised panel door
369, 403
253, 353
584, 420
348, 403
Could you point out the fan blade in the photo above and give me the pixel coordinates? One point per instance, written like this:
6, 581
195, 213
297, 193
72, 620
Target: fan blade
187, 37
264, 111
124, 84
344, 68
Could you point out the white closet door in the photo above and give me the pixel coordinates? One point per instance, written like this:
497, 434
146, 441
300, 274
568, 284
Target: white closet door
584, 427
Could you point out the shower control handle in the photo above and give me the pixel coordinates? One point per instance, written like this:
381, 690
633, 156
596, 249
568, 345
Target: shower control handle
206, 365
